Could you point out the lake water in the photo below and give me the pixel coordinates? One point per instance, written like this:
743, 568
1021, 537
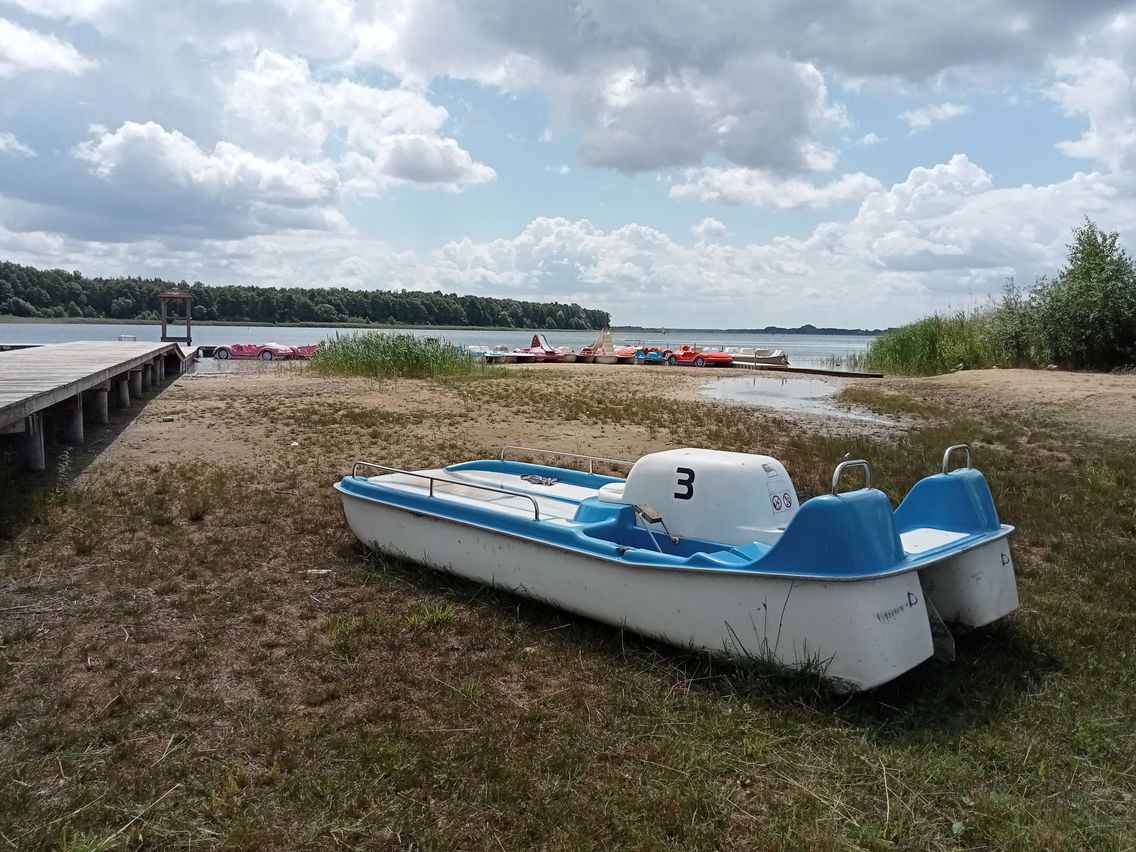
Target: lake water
809, 396
804, 350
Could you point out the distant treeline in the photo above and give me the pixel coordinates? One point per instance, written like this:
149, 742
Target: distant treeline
807, 328
53, 293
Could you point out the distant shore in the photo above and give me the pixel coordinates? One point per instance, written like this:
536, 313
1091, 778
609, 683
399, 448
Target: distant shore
627, 329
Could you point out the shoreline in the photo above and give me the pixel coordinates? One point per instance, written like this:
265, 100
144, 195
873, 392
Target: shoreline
7, 319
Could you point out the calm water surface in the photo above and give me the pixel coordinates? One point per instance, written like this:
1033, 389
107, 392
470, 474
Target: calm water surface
804, 350
809, 396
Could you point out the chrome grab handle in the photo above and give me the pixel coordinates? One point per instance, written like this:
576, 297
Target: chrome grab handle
840, 468
386, 469
950, 451
590, 459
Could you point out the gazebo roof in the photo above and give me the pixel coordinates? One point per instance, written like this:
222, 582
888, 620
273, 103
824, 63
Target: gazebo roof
175, 293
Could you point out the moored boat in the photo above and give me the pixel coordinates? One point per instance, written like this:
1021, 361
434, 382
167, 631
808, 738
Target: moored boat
625, 352
750, 355
602, 350
500, 354
710, 550
540, 350
650, 355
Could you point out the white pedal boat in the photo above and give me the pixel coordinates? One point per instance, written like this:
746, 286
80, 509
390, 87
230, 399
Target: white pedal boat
709, 550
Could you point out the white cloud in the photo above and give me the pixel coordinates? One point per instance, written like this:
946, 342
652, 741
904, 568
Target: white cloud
391, 135
418, 159
74, 10
181, 188
750, 186
944, 236
708, 229
924, 117
561, 169
637, 121
1101, 89
276, 98
12, 146
248, 131
23, 50
153, 153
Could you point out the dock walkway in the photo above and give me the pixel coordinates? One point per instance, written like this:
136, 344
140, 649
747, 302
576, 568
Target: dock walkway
68, 379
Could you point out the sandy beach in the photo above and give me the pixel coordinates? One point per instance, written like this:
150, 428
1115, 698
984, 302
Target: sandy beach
190, 632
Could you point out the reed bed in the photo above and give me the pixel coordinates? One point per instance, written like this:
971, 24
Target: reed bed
394, 355
1084, 318
935, 344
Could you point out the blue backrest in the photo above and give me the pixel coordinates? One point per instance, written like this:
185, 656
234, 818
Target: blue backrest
959, 501
839, 534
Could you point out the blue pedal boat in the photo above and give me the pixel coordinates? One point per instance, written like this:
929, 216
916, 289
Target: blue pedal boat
712, 550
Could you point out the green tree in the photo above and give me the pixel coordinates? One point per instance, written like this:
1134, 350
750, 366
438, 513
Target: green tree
1086, 316
122, 308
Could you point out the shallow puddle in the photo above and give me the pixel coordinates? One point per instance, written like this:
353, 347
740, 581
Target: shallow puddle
808, 396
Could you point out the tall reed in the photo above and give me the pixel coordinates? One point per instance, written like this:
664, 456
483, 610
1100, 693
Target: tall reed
394, 355
935, 344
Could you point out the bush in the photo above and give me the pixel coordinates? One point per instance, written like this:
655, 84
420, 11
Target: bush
1009, 329
1086, 317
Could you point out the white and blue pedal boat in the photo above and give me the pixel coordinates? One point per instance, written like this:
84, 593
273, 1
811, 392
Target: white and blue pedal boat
710, 550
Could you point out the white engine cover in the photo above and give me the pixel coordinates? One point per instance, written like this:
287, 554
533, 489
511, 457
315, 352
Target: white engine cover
733, 498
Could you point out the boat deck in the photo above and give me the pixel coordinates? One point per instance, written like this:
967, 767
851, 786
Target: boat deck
556, 502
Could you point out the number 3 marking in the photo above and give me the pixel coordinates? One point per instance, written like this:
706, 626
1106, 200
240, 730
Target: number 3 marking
685, 480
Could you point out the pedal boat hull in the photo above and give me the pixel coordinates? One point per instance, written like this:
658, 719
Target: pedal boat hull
838, 593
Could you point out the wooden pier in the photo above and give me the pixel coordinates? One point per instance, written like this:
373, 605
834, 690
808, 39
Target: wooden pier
808, 371
73, 383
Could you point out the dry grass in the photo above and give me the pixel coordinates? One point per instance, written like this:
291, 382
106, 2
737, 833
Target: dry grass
196, 654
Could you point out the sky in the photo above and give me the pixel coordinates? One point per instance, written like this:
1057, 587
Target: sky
681, 163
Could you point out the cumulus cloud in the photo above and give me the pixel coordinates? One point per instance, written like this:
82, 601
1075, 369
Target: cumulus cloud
945, 235
12, 146
758, 188
73, 10
392, 135
419, 159
1100, 89
224, 190
276, 98
637, 122
924, 117
709, 229
236, 148
150, 153
23, 50
661, 83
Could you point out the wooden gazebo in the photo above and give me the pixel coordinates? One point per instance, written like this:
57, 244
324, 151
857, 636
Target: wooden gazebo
176, 295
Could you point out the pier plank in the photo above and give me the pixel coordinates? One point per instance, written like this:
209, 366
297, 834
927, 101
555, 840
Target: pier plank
33, 379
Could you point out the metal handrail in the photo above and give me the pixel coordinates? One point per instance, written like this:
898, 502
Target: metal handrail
536, 506
950, 451
590, 459
840, 468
